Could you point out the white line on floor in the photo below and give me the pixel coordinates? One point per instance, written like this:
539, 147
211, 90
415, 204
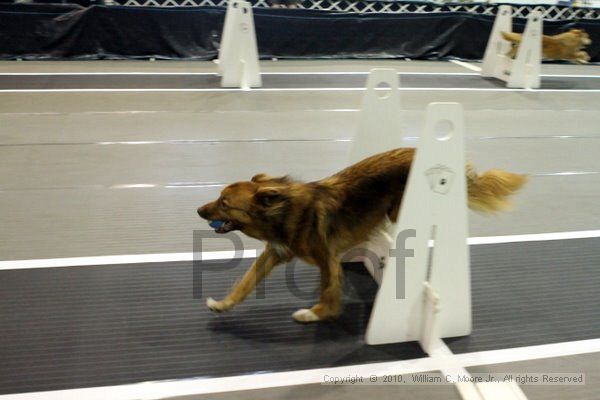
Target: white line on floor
534, 237
568, 173
141, 73
198, 386
467, 65
125, 259
129, 73
145, 73
321, 89
251, 253
569, 76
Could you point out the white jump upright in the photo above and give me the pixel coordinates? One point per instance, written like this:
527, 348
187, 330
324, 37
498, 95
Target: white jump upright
379, 129
420, 297
424, 282
524, 70
238, 54
425, 291
380, 123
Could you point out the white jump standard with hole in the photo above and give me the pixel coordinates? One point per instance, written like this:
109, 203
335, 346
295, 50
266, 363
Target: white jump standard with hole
380, 108
238, 54
524, 70
424, 288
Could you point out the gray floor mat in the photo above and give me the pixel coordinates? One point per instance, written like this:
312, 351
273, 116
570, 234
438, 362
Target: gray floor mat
107, 325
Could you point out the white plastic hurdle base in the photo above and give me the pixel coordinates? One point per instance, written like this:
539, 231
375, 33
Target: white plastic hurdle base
238, 54
524, 70
379, 129
454, 372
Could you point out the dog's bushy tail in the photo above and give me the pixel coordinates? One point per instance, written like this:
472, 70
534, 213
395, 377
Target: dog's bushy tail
490, 191
511, 37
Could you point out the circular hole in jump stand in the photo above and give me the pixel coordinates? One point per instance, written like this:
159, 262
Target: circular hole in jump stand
245, 10
383, 90
443, 129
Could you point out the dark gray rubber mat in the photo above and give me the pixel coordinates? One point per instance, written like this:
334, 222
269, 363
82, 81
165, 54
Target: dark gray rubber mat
533, 293
106, 325
273, 81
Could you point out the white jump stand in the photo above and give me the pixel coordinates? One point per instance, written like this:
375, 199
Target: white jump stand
425, 290
428, 292
238, 54
380, 123
379, 129
524, 70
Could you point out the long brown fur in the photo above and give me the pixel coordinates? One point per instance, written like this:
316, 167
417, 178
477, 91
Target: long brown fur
565, 46
318, 221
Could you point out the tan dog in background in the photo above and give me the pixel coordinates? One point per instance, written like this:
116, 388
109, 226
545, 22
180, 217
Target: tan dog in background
319, 221
564, 46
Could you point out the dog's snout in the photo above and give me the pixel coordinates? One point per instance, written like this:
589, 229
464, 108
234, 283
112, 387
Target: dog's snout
207, 211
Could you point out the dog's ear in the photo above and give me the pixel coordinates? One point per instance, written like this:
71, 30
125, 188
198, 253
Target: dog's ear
260, 178
268, 196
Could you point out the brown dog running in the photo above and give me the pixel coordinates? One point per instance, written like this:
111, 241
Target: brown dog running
565, 46
318, 221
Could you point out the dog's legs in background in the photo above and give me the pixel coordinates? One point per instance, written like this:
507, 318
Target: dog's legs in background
331, 294
257, 272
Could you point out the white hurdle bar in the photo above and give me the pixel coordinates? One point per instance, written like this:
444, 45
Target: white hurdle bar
424, 286
524, 70
238, 54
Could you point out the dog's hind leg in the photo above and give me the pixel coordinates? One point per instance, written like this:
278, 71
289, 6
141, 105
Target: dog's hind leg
329, 304
257, 272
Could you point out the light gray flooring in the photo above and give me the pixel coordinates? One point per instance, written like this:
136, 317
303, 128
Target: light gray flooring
330, 392
588, 364
98, 173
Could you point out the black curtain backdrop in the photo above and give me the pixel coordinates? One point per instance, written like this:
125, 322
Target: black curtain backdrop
111, 32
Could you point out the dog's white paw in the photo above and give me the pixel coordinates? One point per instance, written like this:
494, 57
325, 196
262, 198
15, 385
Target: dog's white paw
217, 306
305, 315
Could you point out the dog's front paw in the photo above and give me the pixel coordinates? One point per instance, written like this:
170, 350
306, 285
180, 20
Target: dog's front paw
218, 306
305, 315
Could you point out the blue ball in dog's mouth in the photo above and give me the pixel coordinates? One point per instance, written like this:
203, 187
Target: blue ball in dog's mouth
223, 226
216, 224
